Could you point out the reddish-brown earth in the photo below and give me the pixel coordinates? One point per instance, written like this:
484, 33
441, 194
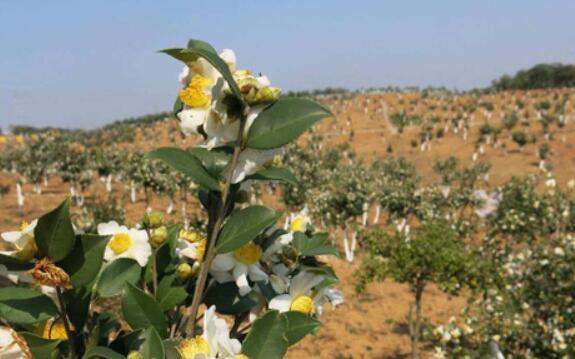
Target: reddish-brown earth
373, 324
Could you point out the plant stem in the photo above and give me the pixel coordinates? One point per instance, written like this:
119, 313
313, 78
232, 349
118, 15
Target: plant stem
64, 316
211, 245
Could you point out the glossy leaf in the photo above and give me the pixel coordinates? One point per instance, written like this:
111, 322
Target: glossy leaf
299, 325
25, 306
313, 246
85, 260
243, 226
275, 174
54, 233
142, 311
188, 164
14, 264
152, 347
40, 348
169, 293
283, 122
102, 353
215, 160
226, 298
116, 275
267, 338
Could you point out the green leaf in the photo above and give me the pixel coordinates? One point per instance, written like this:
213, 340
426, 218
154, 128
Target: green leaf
25, 306
226, 298
171, 349
142, 311
13, 264
54, 233
215, 160
178, 106
243, 226
126, 342
84, 262
102, 352
78, 305
152, 347
188, 164
299, 325
267, 338
275, 174
169, 295
166, 258
329, 274
283, 122
200, 44
313, 246
41, 348
116, 275
197, 49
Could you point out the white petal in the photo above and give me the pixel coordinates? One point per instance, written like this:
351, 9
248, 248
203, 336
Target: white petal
141, 252
192, 118
108, 228
223, 262
302, 283
229, 57
222, 277
11, 237
257, 274
241, 276
281, 303
185, 76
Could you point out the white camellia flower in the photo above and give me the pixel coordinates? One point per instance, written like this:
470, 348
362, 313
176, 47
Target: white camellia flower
238, 266
215, 342
300, 222
12, 346
125, 243
300, 297
21, 244
203, 87
191, 244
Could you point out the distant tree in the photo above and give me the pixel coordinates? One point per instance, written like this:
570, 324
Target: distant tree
538, 77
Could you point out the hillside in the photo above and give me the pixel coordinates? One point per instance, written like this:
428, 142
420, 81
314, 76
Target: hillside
422, 126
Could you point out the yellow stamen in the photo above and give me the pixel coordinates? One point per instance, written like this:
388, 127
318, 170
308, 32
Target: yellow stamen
195, 95
303, 304
24, 225
191, 235
241, 356
201, 249
297, 224
121, 242
191, 347
55, 330
248, 253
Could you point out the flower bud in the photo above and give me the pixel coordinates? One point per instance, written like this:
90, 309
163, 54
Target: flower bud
278, 284
135, 355
159, 235
268, 94
184, 271
153, 220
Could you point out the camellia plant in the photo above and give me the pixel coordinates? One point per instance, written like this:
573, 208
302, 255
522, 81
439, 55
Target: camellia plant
236, 288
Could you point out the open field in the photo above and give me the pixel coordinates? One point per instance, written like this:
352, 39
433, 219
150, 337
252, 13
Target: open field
373, 324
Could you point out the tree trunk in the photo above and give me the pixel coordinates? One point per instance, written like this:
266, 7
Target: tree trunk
415, 324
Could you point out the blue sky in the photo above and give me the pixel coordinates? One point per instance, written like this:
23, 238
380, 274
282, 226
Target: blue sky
83, 64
